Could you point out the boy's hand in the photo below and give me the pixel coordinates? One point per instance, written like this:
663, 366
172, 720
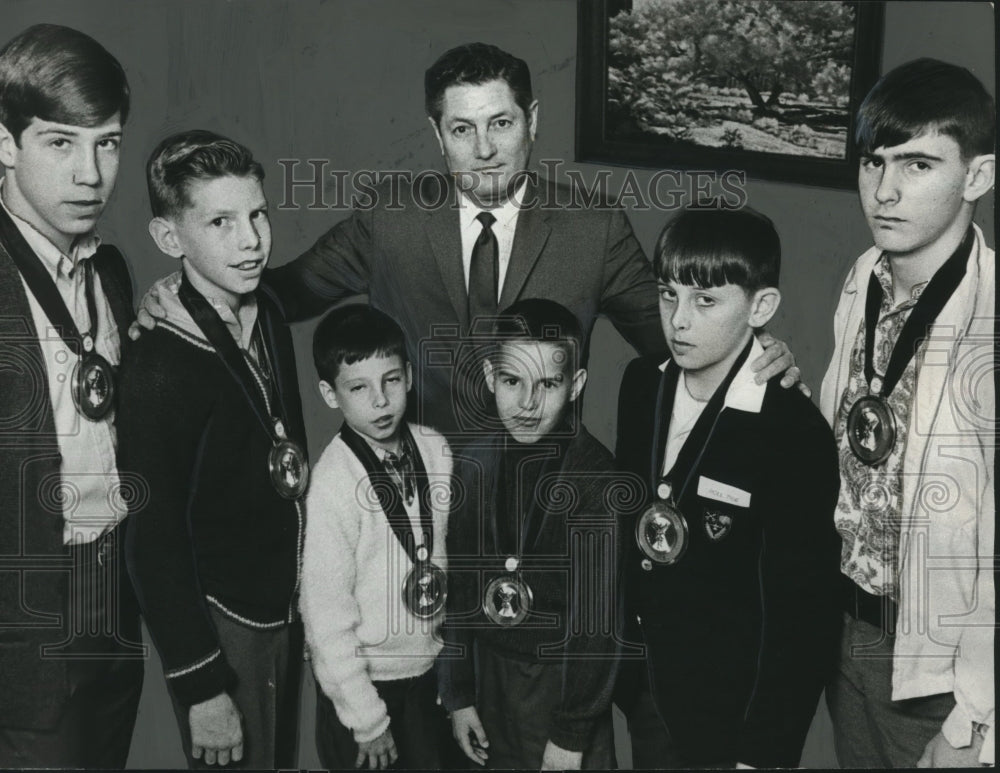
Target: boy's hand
558, 758
465, 723
940, 754
777, 358
150, 310
216, 730
380, 752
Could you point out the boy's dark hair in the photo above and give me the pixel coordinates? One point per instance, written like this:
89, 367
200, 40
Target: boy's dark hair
354, 333
922, 95
58, 74
542, 320
475, 63
193, 155
713, 247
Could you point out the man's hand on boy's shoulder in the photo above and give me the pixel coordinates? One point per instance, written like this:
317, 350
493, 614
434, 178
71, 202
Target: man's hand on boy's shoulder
776, 359
469, 734
558, 758
216, 730
150, 310
379, 752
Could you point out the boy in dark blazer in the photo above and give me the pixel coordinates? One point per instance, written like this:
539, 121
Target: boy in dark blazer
70, 661
530, 659
732, 565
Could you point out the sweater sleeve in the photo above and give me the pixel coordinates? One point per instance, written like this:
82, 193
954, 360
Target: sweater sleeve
330, 610
590, 655
799, 576
161, 418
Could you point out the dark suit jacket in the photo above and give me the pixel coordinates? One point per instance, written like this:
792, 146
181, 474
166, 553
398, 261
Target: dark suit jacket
741, 632
34, 564
408, 261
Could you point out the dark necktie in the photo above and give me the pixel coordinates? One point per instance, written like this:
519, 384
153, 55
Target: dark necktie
484, 270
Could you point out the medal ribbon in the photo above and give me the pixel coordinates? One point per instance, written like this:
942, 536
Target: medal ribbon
392, 500
210, 323
43, 287
710, 414
934, 297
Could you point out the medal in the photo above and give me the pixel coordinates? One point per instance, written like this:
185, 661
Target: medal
507, 598
871, 429
662, 533
287, 465
871, 423
425, 588
93, 383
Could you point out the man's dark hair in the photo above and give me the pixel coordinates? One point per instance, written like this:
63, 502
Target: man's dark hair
193, 155
543, 321
927, 95
713, 247
475, 63
354, 333
58, 74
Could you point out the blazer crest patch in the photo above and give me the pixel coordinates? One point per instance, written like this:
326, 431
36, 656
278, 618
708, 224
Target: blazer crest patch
717, 524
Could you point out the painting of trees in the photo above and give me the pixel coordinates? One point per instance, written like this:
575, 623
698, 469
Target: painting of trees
770, 75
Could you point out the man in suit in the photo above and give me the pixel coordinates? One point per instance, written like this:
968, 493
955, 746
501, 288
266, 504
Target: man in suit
70, 666
462, 247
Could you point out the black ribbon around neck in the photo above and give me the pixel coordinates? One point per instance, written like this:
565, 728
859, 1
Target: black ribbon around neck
43, 287
210, 323
389, 496
933, 298
706, 424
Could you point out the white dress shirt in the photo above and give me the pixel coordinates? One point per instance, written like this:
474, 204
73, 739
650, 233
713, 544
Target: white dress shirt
503, 229
89, 491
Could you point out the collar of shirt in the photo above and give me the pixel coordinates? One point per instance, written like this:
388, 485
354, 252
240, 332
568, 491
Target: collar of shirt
405, 447
883, 273
744, 393
506, 213
240, 325
55, 260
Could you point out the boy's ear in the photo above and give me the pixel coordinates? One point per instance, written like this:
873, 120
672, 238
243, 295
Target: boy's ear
165, 235
579, 382
409, 376
490, 375
329, 396
8, 147
763, 306
980, 177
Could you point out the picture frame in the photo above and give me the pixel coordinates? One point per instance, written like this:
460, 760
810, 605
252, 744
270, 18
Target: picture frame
769, 87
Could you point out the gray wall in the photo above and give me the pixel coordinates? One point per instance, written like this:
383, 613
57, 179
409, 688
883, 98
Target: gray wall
342, 80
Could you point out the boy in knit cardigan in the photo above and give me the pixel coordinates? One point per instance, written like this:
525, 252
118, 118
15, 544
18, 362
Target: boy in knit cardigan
210, 420
373, 584
530, 665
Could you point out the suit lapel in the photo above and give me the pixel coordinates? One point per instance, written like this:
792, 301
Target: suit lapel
113, 291
529, 238
443, 233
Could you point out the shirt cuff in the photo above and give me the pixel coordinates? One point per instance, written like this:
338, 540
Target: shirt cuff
957, 731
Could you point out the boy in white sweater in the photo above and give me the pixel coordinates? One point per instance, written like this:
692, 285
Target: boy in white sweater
373, 583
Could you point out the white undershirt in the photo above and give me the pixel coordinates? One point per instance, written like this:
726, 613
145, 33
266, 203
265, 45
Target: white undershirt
682, 420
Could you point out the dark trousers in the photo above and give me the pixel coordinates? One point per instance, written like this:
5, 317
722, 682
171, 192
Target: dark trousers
105, 661
652, 746
418, 724
268, 666
516, 700
870, 730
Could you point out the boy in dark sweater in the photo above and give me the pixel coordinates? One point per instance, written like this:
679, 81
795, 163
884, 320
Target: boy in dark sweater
211, 421
732, 566
530, 652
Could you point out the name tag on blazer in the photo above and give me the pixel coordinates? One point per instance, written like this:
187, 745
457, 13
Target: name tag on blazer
722, 492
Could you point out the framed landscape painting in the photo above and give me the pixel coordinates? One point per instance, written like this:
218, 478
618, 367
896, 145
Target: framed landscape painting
770, 87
